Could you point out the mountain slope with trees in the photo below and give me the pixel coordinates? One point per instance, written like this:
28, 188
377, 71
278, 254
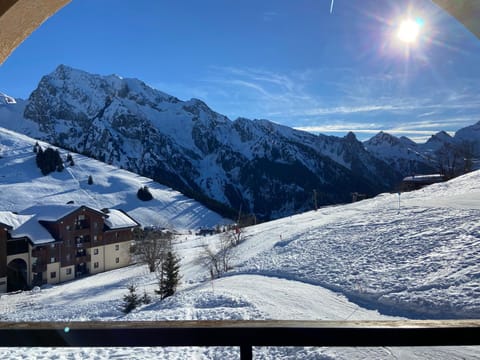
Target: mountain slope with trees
22, 185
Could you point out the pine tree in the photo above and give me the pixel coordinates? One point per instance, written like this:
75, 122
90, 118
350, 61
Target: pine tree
49, 160
70, 159
146, 299
144, 194
58, 161
169, 276
131, 300
40, 159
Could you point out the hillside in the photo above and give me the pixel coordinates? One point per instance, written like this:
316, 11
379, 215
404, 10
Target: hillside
22, 185
367, 260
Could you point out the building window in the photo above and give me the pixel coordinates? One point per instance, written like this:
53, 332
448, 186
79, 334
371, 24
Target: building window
67, 257
53, 275
52, 259
69, 271
95, 251
67, 227
95, 265
52, 246
117, 260
94, 237
117, 247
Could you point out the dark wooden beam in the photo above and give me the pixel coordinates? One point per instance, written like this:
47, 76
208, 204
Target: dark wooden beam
465, 11
244, 334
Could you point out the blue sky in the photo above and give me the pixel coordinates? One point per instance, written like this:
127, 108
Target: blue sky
289, 61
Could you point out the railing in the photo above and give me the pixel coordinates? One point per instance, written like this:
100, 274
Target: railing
244, 334
82, 244
82, 258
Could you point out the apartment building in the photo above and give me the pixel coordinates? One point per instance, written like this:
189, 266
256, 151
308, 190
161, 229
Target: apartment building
50, 244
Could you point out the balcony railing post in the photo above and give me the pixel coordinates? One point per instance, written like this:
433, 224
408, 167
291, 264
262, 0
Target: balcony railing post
246, 352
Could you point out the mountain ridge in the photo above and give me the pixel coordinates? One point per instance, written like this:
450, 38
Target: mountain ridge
241, 164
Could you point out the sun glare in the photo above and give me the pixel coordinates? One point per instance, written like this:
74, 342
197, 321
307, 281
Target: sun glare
408, 30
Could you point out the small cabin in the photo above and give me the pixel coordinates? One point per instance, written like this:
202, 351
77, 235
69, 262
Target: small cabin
416, 182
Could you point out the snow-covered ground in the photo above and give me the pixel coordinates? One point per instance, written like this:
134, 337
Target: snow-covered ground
22, 185
369, 260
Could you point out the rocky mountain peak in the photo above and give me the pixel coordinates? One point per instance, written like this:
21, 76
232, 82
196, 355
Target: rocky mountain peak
350, 137
441, 136
383, 138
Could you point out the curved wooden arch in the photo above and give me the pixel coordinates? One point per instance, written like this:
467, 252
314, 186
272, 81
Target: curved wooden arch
19, 18
465, 11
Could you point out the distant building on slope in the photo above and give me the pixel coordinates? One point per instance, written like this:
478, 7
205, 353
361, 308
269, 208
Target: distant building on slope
416, 182
56, 243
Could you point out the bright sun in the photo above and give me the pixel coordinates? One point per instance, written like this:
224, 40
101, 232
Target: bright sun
408, 30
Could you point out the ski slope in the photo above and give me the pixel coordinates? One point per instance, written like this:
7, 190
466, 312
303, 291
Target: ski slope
368, 260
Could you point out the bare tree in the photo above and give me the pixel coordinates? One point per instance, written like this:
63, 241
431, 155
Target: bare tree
236, 236
447, 157
455, 159
218, 259
467, 152
152, 246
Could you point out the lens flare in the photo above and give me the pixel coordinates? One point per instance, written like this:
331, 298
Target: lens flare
409, 29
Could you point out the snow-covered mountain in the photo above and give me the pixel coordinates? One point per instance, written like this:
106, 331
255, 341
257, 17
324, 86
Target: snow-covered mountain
440, 153
22, 185
259, 166
402, 154
254, 165
470, 134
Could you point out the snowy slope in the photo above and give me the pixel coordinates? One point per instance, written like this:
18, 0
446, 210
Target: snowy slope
367, 260
22, 185
420, 261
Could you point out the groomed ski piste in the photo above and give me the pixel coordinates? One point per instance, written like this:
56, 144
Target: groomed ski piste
414, 255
